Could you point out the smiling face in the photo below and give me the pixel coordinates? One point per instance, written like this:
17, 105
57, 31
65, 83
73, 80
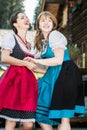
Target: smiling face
45, 24
22, 21
19, 21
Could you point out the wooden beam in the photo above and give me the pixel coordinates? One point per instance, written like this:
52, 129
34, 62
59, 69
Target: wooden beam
55, 1
43, 5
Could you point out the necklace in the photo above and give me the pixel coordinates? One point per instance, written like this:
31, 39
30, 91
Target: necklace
27, 44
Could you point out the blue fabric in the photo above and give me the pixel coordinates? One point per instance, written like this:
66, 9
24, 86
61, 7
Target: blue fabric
67, 113
45, 91
45, 88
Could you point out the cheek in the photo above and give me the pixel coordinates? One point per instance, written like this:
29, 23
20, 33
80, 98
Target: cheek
51, 25
40, 26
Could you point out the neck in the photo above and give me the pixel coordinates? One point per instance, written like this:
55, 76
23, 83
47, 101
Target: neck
22, 34
45, 35
24, 41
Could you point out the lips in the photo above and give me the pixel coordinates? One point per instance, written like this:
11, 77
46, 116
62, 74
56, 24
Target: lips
46, 27
27, 23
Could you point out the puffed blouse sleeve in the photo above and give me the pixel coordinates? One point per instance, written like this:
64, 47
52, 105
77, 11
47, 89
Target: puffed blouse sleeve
8, 42
57, 40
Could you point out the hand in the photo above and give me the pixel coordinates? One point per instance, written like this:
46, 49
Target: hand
33, 60
30, 59
31, 66
27, 58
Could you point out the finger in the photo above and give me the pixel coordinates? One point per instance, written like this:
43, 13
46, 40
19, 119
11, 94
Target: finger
26, 58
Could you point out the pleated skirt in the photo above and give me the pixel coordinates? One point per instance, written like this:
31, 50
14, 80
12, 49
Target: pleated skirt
67, 99
18, 94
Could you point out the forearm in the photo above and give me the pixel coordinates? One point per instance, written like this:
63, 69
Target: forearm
6, 58
40, 70
50, 62
12, 61
56, 60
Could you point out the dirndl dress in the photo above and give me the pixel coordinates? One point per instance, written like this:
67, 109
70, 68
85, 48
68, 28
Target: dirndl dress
18, 90
68, 96
60, 91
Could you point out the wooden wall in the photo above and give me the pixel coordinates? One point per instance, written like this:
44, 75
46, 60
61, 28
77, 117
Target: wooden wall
79, 30
79, 24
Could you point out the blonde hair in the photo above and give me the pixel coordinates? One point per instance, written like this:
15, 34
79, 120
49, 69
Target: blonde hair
39, 35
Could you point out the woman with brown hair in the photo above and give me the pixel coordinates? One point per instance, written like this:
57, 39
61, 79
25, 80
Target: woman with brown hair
18, 85
60, 91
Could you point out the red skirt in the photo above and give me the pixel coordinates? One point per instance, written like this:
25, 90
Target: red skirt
18, 89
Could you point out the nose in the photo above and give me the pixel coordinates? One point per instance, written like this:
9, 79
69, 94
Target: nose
46, 23
27, 19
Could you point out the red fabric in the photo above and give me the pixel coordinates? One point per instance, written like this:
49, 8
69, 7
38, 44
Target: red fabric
18, 89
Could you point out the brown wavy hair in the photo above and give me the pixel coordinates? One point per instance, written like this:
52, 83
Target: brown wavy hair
39, 35
13, 19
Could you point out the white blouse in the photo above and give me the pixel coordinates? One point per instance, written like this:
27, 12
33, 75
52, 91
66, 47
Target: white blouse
57, 40
9, 43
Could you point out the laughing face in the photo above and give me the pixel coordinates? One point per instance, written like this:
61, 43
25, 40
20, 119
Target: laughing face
22, 21
45, 24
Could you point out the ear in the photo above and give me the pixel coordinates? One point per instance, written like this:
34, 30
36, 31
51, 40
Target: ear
15, 24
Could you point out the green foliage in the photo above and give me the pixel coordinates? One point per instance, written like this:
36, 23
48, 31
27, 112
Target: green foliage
37, 11
74, 51
7, 7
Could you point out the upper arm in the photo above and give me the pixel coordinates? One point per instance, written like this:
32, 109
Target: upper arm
59, 53
57, 40
7, 46
8, 42
4, 55
6, 52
